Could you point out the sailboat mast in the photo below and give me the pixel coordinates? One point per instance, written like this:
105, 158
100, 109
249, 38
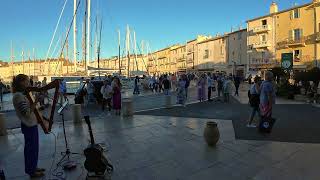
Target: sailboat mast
128, 50
99, 48
75, 35
88, 30
28, 62
119, 48
135, 49
22, 57
12, 59
34, 64
85, 38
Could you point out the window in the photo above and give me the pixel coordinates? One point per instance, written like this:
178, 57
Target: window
263, 38
239, 36
206, 54
297, 34
296, 14
297, 55
264, 22
221, 50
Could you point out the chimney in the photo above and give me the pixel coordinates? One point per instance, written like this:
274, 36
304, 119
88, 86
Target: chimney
273, 8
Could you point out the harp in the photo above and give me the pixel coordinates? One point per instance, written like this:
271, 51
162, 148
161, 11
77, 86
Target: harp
45, 122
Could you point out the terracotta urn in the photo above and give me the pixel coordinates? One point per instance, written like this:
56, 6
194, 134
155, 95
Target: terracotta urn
211, 133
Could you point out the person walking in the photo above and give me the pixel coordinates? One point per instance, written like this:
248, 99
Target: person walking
181, 91
254, 101
136, 85
267, 96
227, 89
116, 98
106, 91
90, 92
220, 85
187, 85
201, 88
236, 85
63, 90
210, 86
2, 88
166, 85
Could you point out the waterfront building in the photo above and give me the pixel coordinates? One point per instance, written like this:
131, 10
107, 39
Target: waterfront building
212, 55
237, 52
294, 30
192, 52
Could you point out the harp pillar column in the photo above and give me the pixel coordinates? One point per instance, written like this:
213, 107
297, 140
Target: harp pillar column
76, 113
3, 127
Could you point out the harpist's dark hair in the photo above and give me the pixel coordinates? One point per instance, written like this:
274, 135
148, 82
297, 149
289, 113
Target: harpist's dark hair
16, 83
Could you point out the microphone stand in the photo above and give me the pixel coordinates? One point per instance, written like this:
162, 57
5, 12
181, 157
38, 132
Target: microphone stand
66, 154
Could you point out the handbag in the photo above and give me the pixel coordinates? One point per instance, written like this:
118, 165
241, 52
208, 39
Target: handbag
266, 124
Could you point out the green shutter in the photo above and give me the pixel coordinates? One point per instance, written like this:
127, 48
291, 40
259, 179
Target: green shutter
291, 15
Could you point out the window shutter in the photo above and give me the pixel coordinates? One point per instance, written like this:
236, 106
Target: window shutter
291, 15
301, 32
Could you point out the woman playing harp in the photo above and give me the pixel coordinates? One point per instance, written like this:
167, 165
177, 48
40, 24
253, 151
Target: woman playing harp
29, 125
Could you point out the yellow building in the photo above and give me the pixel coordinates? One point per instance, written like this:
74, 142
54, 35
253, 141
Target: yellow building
212, 54
261, 40
178, 59
295, 30
52, 67
192, 52
159, 62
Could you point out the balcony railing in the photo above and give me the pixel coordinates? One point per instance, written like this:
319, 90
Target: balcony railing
261, 29
293, 42
181, 59
317, 37
261, 44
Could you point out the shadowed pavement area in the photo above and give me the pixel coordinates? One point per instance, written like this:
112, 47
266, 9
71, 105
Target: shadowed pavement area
295, 122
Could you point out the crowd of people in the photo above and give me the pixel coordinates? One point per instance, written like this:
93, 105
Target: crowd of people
206, 84
261, 96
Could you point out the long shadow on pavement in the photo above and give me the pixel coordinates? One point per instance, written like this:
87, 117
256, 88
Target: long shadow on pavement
295, 123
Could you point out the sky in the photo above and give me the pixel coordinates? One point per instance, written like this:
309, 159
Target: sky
30, 24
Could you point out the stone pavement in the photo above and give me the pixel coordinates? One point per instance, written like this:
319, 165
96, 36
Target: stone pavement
144, 101
148, 147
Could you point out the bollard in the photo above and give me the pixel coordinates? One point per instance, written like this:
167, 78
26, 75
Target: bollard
3, 127
76, 113
168, 101
127, 109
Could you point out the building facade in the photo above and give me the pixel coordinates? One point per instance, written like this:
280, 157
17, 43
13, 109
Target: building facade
295, 30
298, 32
212, 55
192, 53
237, 52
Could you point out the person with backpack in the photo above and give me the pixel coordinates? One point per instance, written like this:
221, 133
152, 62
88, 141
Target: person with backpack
254, 100
267, 100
